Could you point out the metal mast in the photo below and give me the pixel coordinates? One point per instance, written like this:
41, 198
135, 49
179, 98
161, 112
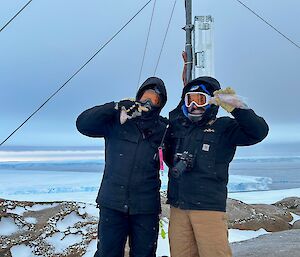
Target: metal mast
188, 45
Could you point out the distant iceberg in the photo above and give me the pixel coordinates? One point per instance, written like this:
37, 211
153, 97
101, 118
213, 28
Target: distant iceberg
237, 183
28, 184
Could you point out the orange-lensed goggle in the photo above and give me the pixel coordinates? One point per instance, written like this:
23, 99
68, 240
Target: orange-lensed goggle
151, 95
200, 99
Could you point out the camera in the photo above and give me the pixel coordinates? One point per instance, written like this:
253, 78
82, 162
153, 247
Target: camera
184, 162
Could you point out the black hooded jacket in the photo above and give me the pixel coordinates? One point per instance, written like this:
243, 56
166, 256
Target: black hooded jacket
131, 176
203, 185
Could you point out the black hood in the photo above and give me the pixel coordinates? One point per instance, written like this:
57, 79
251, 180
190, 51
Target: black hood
211, 84
152, 83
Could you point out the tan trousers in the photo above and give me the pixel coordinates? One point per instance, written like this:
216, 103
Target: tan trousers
198, 233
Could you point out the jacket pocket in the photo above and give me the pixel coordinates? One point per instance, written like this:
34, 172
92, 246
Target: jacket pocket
208, 146
206, 155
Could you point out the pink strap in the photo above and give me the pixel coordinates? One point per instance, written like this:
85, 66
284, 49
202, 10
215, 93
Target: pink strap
161, 158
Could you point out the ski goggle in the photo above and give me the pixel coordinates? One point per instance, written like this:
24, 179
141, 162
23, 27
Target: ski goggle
152, 96
200, 99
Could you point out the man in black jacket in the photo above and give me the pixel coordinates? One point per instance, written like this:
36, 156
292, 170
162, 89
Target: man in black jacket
129, 197
199, 148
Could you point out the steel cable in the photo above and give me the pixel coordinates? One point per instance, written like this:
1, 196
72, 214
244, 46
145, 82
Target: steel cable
269, 24
15, 16
77, 71
161, 49
146, 44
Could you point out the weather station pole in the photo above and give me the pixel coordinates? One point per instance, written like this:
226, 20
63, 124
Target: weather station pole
188, 45
199, 46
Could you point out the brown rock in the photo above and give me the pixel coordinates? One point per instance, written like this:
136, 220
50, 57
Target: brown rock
278, 244
36, 222
290, 203
253, 217
165, 208
273, 210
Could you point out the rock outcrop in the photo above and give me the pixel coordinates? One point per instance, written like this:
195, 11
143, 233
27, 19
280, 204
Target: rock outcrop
69, 229
47, 229
253, 217
291, 204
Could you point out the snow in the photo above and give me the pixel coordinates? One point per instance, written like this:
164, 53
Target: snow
40, 207
18, 210
22, 251
43, 176
7, 226
295, 218
89, 210
68, 221
37, 207
30, 220
236, 235
60, 242
163, 241
90, 251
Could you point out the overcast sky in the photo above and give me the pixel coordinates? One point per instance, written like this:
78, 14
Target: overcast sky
50, 39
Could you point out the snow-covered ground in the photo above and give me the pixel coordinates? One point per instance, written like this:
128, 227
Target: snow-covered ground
60, 241
49, 176
83, 186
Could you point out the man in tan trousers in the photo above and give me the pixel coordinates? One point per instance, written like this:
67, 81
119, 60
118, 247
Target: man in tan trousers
199, 148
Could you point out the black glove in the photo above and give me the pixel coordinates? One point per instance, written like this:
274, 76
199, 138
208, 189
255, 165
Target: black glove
127, 103
129, 109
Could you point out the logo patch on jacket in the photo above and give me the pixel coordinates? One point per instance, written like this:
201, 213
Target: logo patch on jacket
205, 147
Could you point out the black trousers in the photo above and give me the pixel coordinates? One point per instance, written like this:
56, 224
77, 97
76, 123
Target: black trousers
114, 227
